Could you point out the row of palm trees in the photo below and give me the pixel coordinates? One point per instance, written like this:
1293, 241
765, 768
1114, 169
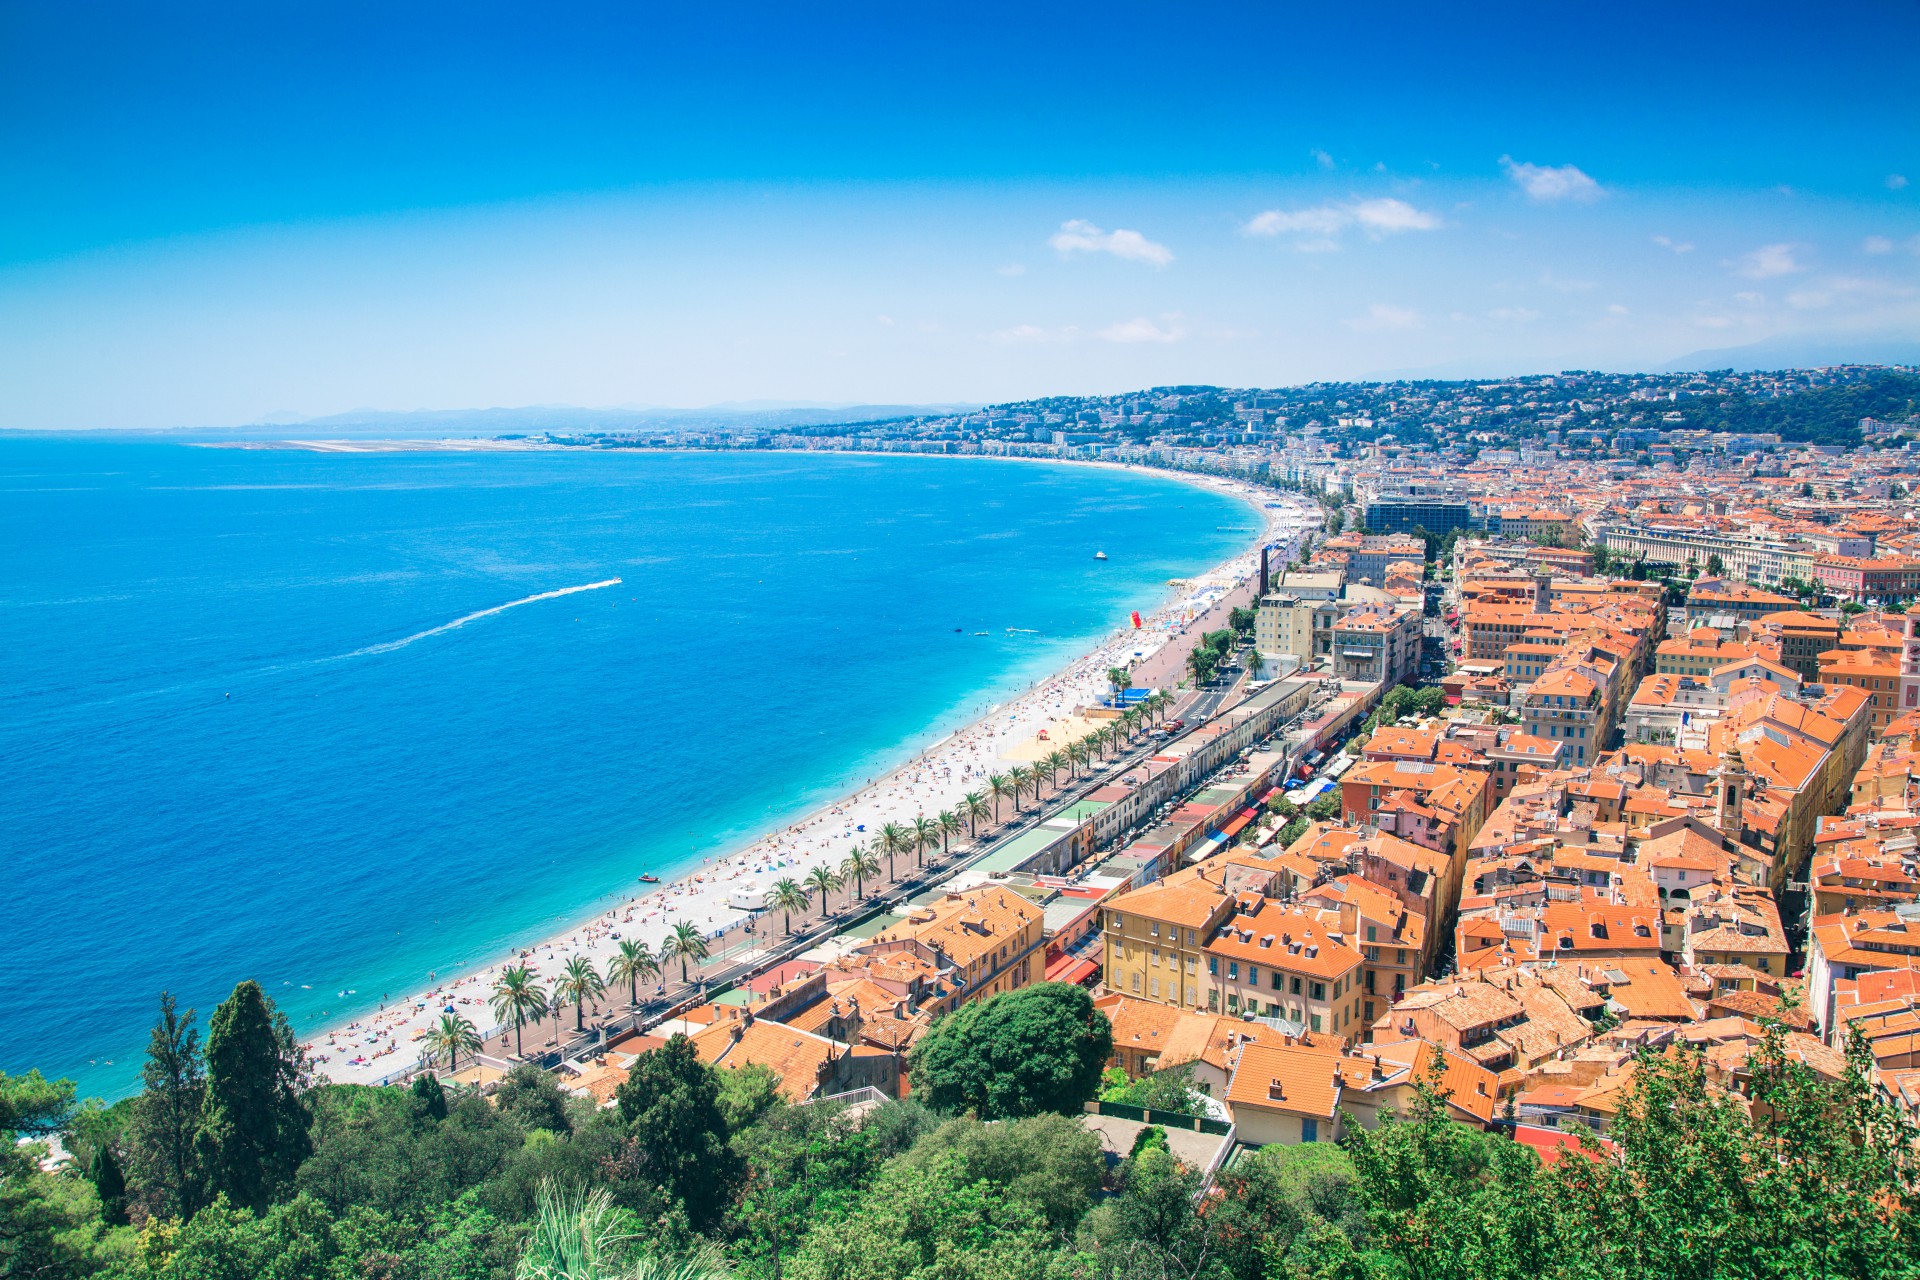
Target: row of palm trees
518, 998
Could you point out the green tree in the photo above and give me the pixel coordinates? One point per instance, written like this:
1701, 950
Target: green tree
109, 1185
578, 983
166, 1115
859, 866
633, 963
253, 1127
1022, 1053
1118, 679
1049, 1161
788, 897
684, 942
895, 839
428, 1096
1169, 1090
678, 1142
1715, 565
532, 1098
999, 786
928, 1223
976, 809
518, 997
453, 1035
926, 833
951, 824
823, 881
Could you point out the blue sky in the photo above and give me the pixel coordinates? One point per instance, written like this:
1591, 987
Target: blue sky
218, 213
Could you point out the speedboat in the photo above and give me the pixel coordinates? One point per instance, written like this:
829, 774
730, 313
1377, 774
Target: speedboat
1099, 555
649, 878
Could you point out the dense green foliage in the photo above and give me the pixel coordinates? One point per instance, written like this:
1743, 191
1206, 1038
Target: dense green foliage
1019, 1054
1818, 415
699, 1174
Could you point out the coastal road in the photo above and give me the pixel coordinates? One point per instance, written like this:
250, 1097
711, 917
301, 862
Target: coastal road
556, 1031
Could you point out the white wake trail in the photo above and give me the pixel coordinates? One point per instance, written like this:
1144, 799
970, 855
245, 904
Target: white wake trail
457, 623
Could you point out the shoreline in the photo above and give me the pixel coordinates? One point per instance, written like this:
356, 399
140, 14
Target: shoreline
372, 1045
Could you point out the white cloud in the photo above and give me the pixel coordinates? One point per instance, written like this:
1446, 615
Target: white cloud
1677, 246
1321, 158
1387, 215
1895, 181
886, 320
1616, 309
1142, 329
1551, 182
1382, 318
1012, 269
1320, 226
1080, 236
1876, 244
1519, 315
1767, 261
1324, 221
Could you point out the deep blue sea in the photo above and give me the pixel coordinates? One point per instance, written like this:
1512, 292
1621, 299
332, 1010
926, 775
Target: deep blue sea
239, 736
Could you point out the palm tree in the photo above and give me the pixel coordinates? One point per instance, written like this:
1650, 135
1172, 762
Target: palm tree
576, 1236
1000, 786
823, 882
1080, 752
789, 897
925, 831
631, 963
859, 865
893, 839
974, 807
1200, 662
1053, 764
1022, 778
950, 824
453, 1037
1119, 678
685, 943
517, 996
579, 983
1131, 720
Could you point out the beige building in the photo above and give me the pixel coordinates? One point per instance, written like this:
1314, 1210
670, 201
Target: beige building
983, 941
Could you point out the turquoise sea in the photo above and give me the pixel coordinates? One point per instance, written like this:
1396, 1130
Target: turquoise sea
263, 714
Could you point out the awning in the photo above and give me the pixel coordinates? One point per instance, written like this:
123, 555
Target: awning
1070, 969
1232, 829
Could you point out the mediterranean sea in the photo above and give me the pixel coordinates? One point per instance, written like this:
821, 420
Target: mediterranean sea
333, 721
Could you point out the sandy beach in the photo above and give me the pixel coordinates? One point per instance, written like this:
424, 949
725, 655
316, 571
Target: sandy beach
377, 1045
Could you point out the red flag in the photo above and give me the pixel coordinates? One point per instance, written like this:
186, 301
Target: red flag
1136, 619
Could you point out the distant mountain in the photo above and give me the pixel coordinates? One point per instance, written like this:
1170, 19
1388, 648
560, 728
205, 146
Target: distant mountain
533, 419
1800, 351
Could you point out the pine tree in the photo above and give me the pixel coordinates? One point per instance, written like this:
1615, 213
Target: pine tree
253, 1129
160, 1144
428, 1096
109, 1184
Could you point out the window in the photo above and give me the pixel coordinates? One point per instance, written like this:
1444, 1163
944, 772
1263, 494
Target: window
1233, 970
1370, 933
1153, 987
1279, 982
1296, 986
1213, 965
1189, 937
1314, 1022
1155, 956
1136, 984
1154, 928
1253, 974
1319, 991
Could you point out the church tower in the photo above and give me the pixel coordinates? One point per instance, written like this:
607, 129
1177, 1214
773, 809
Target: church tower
1730, 781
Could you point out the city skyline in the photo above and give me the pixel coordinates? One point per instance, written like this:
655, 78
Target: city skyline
645, 210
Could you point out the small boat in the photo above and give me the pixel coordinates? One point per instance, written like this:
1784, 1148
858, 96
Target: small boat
649, 878
1099, 555
979, 633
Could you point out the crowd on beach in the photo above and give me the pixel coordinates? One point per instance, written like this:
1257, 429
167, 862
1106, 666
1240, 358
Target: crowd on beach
374, 1046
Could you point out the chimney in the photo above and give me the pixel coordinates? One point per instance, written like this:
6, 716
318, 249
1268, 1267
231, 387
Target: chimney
1276, 1090
1378, 1074
1266, 573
